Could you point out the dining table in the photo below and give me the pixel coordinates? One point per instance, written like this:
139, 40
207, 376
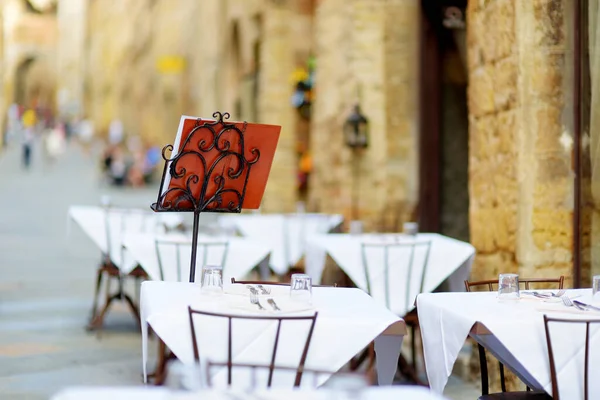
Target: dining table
348, 321
514, 332
286, 234
447, 261
236, 255
161, 393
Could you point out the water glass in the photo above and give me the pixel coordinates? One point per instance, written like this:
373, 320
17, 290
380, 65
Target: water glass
596, 287
356, 227
508, 287
212, 279
411, 228
301, 288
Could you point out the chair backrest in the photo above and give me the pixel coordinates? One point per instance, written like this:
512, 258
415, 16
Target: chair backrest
551, 355
311, 320
363, 379
164, 248
234, 281
406, 248
526, 282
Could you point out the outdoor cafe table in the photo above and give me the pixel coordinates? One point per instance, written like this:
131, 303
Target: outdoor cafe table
157, 393
286, 234
449, 260
348, 321
240, 255
106, 229
513, 331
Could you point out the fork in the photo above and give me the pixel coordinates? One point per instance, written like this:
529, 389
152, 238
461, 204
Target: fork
273, 304
263, 289
254, 300
569, 303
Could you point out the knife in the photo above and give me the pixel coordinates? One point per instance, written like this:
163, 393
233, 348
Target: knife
586, 305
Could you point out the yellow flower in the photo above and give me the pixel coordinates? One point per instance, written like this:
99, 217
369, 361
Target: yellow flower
299, 75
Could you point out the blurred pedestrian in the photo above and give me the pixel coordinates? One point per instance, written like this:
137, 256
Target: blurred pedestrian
115, 132
29, 120
55, 142
86, 134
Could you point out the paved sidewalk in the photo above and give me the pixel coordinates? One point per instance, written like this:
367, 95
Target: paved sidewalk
46, 283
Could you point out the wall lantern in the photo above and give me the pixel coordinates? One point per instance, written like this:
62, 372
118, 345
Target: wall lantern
356, 130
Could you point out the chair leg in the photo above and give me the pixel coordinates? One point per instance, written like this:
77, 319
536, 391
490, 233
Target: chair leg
413, 347
133, 308
502, 382
371, 356
485, 389
99, 275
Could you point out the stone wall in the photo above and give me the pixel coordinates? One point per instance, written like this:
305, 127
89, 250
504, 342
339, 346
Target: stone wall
520, 138
150, 61
367, 52
520, 177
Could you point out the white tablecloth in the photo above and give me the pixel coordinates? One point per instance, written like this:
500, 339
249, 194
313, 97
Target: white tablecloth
286, 234
155, 393
241, 255
93, 221
348, 321
447, 258
447, 318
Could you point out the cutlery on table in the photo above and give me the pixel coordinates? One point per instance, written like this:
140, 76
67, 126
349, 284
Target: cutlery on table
569, 303
273, 304
254, 300
560, 293
587, 306
263, 289
252, 289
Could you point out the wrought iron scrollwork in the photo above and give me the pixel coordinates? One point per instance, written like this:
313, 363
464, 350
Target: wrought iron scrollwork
221, 169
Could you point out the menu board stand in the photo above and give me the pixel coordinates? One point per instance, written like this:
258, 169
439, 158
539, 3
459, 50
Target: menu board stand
210, 170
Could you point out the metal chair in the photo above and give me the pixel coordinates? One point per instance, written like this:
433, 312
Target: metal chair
279, 319
160, 246
586, 372
488, 285
410, 318
120, 220
366, 378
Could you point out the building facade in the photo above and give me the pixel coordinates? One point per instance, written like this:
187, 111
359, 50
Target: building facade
470, 104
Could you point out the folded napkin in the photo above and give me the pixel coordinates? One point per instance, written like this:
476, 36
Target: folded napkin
285, 304
242, 290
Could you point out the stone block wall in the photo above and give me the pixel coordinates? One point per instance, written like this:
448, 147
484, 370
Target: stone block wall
521, 189
127, 39
520, 115
367, 52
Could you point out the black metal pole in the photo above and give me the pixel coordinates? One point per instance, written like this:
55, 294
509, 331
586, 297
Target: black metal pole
355, 184
194, 245
577, 144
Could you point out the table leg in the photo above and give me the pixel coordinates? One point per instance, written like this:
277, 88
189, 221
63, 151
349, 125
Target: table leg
387, 351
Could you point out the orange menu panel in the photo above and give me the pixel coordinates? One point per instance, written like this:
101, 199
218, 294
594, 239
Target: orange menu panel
212, 160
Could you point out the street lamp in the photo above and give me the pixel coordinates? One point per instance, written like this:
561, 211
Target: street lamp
356, 134
356, 130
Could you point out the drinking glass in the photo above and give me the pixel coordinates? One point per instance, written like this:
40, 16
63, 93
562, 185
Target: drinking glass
356, 227
212, 279
596, 287
411, 228
301, 288
508, 287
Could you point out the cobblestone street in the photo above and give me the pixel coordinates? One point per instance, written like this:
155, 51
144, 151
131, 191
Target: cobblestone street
46, 283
